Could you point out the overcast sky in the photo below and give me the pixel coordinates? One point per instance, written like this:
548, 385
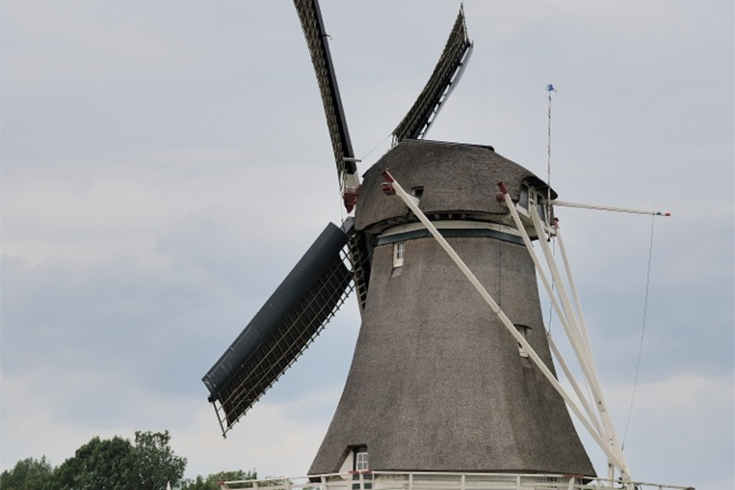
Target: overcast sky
165, 164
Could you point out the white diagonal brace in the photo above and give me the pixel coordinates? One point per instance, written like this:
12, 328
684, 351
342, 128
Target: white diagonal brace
575, 386
577, 338
584, 348
570, 329
566, 321
573, 288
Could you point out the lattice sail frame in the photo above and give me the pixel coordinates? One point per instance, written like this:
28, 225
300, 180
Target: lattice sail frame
316, 40
360, 257
285, 350
445, 75
285, 326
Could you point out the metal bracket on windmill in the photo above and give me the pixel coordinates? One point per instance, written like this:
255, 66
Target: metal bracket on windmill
350, 183
391, 187
574, 327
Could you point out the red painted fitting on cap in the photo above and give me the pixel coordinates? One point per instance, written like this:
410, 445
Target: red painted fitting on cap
387, 188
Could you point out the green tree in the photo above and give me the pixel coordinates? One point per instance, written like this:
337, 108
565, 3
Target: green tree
210, 482
154, 462
27, 474
117, 464
97, 465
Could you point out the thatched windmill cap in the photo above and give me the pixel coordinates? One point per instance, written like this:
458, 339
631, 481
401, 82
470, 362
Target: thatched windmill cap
455, 178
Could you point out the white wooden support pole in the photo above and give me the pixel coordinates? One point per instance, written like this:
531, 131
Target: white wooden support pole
613, 454
583, 346
580, 313
591, 370
561, 291
575, 386
569, 328
573, 288
608, 208
576, 335
392, 186
566, 316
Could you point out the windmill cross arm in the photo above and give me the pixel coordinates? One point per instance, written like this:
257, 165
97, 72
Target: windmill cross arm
317, 42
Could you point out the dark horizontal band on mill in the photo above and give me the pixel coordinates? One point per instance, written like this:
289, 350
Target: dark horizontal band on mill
451, 233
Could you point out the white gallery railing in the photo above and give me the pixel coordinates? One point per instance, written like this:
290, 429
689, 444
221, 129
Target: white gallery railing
388, 480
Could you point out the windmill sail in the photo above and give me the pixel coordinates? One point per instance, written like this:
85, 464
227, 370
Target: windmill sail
316, 39
288, 322
437, 89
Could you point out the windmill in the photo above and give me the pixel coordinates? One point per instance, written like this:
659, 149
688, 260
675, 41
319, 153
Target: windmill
439, 382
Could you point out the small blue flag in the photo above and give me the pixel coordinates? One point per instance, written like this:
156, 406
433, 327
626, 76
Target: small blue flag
550, 88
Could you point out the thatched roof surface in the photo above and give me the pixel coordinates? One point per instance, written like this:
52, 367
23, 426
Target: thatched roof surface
455, 177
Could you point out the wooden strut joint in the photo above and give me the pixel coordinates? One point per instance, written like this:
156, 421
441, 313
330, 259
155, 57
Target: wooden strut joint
405, 197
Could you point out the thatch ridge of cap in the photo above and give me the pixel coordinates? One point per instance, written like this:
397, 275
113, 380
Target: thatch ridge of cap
455, 177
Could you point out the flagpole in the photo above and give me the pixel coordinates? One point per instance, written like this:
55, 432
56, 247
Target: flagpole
549, 88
